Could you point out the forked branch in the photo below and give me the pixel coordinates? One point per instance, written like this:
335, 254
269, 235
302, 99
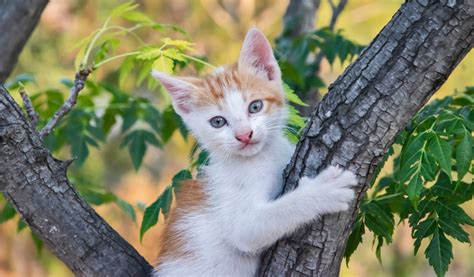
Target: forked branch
78, 85
30, 110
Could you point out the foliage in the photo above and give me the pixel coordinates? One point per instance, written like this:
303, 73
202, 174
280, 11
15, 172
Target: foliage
105, 110
300, 58
431, 179
432, 174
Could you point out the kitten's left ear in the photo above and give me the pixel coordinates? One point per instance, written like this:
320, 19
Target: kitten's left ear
180, 90
257, 54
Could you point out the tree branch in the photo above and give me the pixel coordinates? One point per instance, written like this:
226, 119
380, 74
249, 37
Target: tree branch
353, 126
37, 186
336, 11
30, 110
78, 85
18, 19
365, 109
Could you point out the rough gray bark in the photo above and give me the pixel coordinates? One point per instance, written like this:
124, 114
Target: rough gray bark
364, 110
37, 186
353, 126
18, 19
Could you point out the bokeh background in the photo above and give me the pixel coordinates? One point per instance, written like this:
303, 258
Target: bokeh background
217, 27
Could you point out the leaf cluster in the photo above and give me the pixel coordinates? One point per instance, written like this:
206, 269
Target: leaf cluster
431, 179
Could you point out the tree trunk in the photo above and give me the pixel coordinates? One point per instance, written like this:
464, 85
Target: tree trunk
299, 19
353, 126
37, 186
365, 109
18, 19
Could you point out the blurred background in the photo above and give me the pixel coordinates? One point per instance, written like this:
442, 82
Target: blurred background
217, 27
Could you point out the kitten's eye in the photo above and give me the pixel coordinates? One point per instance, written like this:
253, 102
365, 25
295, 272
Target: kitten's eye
255, 106
217, 121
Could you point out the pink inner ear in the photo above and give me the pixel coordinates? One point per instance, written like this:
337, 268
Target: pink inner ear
179, 91
257, 52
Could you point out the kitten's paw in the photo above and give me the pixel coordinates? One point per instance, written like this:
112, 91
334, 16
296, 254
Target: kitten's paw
332, 188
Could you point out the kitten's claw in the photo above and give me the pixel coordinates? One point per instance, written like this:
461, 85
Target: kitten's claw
332, 188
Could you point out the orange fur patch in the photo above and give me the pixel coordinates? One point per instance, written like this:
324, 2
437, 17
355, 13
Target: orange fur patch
211, 88
189, 197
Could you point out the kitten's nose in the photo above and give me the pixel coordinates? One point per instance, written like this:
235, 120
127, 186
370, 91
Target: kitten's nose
245, 137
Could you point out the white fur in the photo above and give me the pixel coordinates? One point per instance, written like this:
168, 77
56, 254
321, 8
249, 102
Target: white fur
243, 217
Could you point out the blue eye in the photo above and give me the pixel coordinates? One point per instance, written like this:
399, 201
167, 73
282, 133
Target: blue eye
255, 106
217, 121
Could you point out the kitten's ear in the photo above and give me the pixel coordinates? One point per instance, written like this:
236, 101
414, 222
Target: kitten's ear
179, 90
257, 55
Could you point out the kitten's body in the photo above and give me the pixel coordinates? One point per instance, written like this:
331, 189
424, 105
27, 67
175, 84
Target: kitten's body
211, 231
225, 219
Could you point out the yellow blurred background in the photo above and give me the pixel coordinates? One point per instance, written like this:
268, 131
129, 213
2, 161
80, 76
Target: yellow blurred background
217, 27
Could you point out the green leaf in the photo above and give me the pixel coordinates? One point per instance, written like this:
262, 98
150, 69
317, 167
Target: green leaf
137, 145
442, 152
150, 217
123, 9
423, 230
464, 155
20, 225
137, 149
149, 53
144, 72
181, 44
164, 64
454, 211
295, 119
439, 253
354, 240
138, 17
96, 197
169, 123
414, 188
167, 198
125, 69
174, 54
379, 219
126, 208
37, 242
7, 213
292, 96
452, 228
181, 176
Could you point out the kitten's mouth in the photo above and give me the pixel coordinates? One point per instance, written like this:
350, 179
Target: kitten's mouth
246, 145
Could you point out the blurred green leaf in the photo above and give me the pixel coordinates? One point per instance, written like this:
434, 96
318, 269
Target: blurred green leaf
150, 217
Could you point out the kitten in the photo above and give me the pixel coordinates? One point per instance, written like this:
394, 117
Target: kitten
224, 220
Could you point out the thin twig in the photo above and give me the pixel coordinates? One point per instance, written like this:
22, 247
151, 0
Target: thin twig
30, 110
79, 81
336, 11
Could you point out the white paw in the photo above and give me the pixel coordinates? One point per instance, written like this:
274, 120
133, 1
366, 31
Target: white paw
332, 188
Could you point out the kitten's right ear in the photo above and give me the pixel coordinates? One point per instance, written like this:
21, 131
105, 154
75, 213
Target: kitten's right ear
179, 90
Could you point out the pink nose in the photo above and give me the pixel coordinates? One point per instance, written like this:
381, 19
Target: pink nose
244, 138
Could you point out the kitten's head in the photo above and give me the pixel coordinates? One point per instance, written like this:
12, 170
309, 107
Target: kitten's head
238, 110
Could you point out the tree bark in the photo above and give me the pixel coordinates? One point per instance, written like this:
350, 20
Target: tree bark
18, 19
365, 109
353, 127
37, 186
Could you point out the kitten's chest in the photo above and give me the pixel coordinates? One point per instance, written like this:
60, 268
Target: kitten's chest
245, 183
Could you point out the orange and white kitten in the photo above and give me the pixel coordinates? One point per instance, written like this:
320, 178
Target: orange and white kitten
226, 218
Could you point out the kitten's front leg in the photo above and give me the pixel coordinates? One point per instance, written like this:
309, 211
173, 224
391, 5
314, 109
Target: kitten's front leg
328, 192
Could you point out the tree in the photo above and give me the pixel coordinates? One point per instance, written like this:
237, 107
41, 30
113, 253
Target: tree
353, 126
26, 15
